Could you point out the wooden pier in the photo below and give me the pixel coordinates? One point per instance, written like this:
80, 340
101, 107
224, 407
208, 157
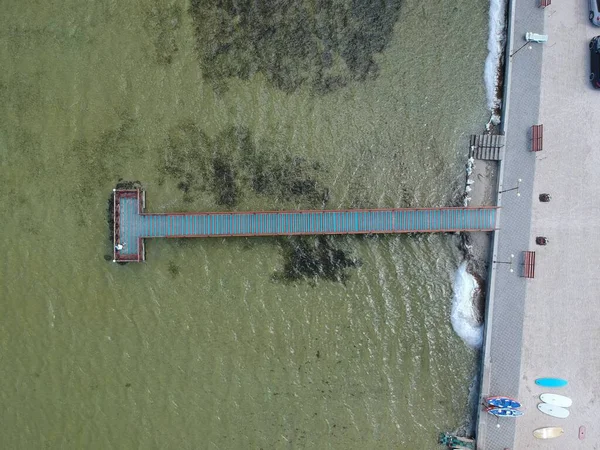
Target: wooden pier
132, 224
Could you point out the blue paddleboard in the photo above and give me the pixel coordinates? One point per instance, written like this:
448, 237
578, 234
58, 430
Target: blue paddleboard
502, 402
505, 412
551, 382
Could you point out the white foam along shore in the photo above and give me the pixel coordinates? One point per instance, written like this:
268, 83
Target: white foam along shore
480, 188
464, 316
491, 75
496, 39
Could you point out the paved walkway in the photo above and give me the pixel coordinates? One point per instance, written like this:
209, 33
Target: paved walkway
562, 329
560, 308
504, 321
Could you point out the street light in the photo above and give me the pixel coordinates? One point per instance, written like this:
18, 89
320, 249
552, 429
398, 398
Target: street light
510, 269
516, 188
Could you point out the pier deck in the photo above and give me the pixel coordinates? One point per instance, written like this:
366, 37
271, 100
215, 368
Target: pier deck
132, 225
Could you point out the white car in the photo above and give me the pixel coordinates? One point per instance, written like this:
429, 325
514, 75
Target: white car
595, 12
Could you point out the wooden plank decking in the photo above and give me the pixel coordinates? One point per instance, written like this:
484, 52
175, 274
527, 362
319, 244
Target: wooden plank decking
132, 225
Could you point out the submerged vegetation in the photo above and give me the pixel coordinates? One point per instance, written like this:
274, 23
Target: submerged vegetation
173, 269
308, 258
323, 44
231, 163
97, 158
162, 22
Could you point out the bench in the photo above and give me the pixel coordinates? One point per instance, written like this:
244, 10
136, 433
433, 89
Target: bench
544, 3
537, 138
528, 264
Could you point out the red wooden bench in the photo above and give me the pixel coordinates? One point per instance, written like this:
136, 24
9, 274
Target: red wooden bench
537, 138
544, 3
528, 264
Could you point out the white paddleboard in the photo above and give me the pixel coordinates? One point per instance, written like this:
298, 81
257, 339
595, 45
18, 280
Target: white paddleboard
554, 411
556, 400
548, 432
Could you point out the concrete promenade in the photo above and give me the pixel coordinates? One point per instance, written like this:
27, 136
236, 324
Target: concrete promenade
562, 312
507, 290
547, 326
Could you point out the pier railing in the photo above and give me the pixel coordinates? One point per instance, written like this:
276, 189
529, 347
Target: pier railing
132, 225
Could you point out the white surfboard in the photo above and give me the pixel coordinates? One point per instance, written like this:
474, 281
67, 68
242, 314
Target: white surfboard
554, 411
556, 400
548, 432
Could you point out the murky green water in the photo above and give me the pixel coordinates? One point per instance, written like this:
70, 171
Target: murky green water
204, 346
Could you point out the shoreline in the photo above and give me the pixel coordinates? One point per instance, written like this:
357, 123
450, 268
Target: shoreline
482, 176
481, 184
480, 190
476, 247
477, 250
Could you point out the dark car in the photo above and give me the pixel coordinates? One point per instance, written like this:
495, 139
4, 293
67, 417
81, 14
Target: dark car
595, 62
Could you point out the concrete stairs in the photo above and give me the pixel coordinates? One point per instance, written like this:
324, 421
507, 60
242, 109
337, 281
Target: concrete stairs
487, 147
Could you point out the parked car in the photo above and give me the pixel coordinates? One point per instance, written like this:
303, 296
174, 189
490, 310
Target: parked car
595, 62
595, 12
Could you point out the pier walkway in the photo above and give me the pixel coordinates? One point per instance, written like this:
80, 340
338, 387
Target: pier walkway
132, 225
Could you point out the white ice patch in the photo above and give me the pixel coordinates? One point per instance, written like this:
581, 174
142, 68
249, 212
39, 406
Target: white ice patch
463, 315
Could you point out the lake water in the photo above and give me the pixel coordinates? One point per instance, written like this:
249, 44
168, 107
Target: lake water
342, 343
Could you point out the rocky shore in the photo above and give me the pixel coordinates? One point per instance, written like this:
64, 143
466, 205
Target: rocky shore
480, 190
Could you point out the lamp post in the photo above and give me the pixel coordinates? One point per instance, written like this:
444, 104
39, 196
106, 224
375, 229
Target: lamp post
520, 48
516, 188
510, 269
